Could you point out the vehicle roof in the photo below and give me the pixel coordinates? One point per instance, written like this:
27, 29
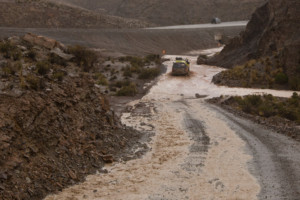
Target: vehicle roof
181, 61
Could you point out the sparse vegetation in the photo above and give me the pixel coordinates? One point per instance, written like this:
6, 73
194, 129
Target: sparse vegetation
129, 90
55, 59
31, 54
10, 51
33, 82
43, 67
84, 57
153, 58
58, 75
265, 72
149, 73
268, 106
101, 79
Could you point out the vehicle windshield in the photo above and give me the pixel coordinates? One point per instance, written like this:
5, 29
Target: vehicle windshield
179, 65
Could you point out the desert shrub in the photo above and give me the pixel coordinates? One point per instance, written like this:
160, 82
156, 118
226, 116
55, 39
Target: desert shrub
294, 83
102, 79
120, 84
17, 55
10, 51
149, 73
127, 72
84, 57
58, 75
203, 56
235, 73
153, 58
134, 61
294, 100
129, 90
113, 71
136, 69
43, 67
31, 54
55, 59
33, 82
6, 48
249, 103
281, 78
266, 109
114, 77
267, 106
113, 88
254, 100
251, 63
289, 113
8, 69
268, 69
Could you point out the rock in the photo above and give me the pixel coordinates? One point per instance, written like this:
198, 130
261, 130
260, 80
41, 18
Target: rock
28, 180
3, 176
201, 60
14, 40
272, 36
72, 175
61, 54
3, 63
42, 41
200, 96
108, 159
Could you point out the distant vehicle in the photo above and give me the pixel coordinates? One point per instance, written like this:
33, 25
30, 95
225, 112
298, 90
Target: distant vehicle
216, 21
181, 67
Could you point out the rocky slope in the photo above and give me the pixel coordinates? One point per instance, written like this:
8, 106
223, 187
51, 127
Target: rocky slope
56, 125
45, 14
267, 52
172, 12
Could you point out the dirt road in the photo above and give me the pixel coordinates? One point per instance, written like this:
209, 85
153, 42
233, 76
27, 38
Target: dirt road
201, 26
198, 151
134, 41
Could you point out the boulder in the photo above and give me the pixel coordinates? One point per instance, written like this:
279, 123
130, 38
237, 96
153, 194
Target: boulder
43, 41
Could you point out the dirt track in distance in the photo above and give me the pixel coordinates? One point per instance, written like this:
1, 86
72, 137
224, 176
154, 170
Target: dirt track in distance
134, 41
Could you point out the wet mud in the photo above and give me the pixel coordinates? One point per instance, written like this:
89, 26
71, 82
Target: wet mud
196, 152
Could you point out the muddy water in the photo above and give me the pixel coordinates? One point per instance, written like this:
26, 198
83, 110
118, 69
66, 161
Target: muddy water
194, 153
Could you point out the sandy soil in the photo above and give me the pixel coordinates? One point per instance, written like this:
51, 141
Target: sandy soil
195, 153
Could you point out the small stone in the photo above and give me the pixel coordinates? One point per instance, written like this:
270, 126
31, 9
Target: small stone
108, 159
28, 180
72, 174
3, 176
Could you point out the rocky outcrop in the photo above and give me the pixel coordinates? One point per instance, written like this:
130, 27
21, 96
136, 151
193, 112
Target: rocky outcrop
272, 34
42, 41
56, 126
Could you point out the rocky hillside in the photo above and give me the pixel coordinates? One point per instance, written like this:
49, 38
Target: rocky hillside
45, 14
172, 12
268, 52
56, 125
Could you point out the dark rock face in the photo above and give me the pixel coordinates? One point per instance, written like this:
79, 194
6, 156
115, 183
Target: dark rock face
49, 140
274, 29
53, 134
